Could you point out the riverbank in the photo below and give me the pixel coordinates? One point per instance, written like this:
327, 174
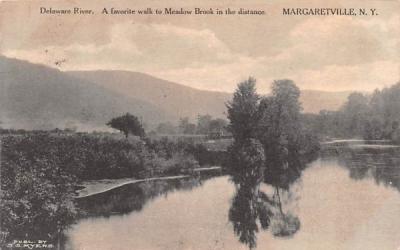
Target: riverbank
359, 143
94, 187
41, 171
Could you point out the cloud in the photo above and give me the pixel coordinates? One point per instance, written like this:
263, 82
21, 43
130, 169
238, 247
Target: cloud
332, 53
137, 47
364, 77
342, 41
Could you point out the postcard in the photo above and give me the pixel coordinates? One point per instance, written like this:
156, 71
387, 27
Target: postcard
182, 125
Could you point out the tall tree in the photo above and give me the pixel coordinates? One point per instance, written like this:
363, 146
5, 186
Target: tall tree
243, 111
280, 131
280, 114
127, 124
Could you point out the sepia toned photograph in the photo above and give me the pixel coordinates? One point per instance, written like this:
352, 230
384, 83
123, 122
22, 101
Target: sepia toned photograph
200, 125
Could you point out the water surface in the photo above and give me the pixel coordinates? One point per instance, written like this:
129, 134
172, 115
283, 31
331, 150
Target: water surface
349, 198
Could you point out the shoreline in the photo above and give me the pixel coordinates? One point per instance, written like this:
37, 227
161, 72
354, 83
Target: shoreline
115, 184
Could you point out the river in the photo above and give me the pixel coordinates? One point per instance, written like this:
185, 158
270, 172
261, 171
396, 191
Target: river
347, 199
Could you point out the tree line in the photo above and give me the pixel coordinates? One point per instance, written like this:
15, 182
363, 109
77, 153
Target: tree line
373, 116
205, 125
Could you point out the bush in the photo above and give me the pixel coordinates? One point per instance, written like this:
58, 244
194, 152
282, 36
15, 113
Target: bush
37, 197
41, 170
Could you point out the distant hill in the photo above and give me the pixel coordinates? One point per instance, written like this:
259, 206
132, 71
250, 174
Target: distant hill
176, 99
36, 96
314, 100
185, 101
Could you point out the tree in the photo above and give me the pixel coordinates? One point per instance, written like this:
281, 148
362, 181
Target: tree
218, 125
355, 112
243, 111
268, 136
372, 117
281, 132
127, 124
206, 124
390, 115
186, 127
280, 115
203, 124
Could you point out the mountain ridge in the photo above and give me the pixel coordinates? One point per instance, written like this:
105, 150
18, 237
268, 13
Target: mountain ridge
35, 96
179, 99
38, 97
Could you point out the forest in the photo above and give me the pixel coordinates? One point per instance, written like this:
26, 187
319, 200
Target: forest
373, 116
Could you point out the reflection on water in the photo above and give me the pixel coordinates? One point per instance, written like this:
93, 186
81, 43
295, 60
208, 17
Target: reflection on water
382, 165
249, 206
253, 208
133, 197
347, 199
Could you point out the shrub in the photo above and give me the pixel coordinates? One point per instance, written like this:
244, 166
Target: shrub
41, 170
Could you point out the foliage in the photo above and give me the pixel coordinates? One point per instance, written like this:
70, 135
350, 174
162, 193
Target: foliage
89, 156
276, 123
167, 148
37, 197
371, 117
272, 145
243, 111
217, 125
247, 159
127, 124
203, 124
206, 125
355, 112
282, 134
186, 127
280, 112
40, 172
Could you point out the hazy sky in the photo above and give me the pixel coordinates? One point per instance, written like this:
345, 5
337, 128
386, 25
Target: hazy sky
213, 52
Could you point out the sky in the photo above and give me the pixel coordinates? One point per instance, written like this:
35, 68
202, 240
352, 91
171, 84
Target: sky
213, 52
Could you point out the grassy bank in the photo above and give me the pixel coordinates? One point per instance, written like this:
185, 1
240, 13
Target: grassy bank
40, 172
